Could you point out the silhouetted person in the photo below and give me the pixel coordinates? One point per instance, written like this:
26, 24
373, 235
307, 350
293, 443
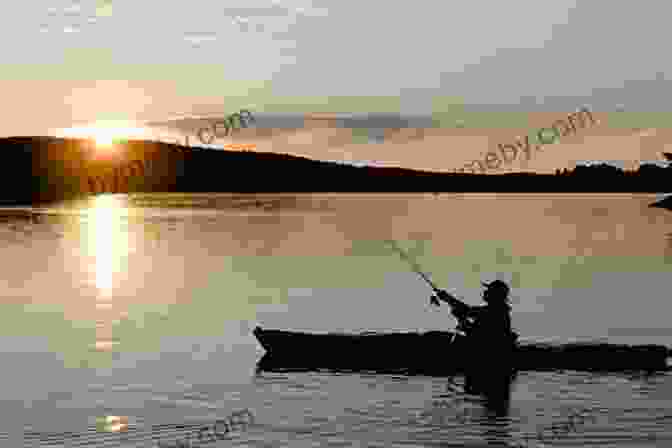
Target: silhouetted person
488, 325
488, 346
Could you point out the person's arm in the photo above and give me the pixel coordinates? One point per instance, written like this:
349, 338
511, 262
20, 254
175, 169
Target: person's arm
459, 309
451, 300
475, 311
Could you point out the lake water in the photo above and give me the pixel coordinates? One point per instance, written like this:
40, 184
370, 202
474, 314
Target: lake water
142, 306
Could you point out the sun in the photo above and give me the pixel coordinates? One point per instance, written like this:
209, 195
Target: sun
106, 134
104, 138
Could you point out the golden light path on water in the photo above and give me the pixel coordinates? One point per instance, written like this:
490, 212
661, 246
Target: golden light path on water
120, 297
108, 242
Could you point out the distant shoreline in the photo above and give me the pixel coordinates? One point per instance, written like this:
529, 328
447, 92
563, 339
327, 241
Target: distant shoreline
39, 169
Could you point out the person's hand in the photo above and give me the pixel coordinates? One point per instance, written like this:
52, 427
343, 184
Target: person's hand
443, 294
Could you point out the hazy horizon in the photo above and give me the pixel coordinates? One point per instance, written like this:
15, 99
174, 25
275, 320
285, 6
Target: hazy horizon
416, 142
535, 64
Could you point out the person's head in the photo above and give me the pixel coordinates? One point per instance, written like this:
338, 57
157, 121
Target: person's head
496, 292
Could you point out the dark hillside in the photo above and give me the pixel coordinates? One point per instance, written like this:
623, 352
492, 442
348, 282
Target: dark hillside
38, 169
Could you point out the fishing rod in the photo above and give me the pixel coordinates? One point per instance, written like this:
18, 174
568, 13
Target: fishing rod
457, 305
459, 309
413, 265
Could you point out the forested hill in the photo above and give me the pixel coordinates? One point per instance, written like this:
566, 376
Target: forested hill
38, 169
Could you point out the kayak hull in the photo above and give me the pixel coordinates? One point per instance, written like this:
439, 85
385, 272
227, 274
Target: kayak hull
441, 353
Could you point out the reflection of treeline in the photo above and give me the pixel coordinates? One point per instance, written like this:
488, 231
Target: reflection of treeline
61, 169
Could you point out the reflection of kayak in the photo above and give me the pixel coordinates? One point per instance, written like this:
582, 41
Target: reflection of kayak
437, 352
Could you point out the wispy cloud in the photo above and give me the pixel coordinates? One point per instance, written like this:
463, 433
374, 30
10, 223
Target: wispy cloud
199, 38
74, 8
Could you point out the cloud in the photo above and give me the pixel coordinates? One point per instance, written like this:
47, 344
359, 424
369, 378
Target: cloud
198, 38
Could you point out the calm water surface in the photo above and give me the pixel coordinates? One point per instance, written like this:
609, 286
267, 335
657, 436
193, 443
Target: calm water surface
142, 306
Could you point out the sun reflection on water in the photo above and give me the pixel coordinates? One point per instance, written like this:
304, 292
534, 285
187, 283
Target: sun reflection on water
108, 244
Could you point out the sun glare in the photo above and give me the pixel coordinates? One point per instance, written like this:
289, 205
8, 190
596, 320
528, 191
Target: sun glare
103, 138
106, 134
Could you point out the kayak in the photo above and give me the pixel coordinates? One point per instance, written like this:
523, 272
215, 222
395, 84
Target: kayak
439, 353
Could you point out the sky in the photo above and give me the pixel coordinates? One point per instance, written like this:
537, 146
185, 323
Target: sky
432, 85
